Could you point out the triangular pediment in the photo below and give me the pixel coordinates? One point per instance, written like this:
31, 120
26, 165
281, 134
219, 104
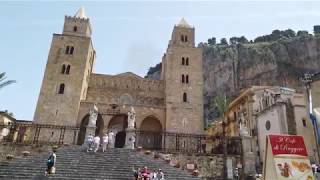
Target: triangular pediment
129, 74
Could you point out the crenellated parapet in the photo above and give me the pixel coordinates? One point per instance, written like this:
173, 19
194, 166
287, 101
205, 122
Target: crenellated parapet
77, 19
128, 81
126, 88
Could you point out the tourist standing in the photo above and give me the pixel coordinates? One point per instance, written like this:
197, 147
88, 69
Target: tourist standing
160, 175
145, 173
153, 175
51, 163
105, 141
96, 142
89, 142
111, 139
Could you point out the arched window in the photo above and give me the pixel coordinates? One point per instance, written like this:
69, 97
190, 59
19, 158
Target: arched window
71, 50
182, 78
63, 69
61, 89
187, 61
187, 79
304, 123
185, 97
182, 38
75, 28
68, 69
67, 50
125, 99
182, 62
185, 38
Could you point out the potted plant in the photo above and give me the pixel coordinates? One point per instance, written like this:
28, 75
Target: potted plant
147, 152
55, 147
195, 172
167, 159
139, 148
177, 165
26, 153
10, 156
156, 155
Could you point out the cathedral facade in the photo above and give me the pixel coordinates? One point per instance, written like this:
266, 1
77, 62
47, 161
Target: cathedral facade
70, 87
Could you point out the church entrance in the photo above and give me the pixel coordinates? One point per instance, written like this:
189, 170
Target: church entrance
150, 135
118, 125
83, 127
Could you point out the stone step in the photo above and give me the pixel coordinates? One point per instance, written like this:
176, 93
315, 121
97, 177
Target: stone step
74, 163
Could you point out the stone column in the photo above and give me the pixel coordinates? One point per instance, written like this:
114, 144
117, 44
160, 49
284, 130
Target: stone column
90, 129
249, 157
130, 138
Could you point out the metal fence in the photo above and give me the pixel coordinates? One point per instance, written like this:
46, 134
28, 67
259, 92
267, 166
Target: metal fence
27, 133
188, 143
170, 142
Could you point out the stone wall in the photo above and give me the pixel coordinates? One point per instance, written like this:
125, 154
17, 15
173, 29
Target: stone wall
126, 88
17, 150
142, 112
208, 166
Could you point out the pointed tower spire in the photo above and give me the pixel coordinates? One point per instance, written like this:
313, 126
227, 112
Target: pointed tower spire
183, 23
80, 13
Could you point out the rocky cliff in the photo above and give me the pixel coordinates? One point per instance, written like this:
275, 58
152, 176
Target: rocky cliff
231, 68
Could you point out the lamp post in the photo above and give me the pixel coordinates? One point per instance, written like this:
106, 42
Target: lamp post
307, 79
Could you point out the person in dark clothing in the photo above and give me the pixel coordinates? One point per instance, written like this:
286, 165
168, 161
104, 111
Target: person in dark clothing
51, 162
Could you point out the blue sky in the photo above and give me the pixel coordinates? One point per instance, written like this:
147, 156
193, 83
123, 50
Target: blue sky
128, 36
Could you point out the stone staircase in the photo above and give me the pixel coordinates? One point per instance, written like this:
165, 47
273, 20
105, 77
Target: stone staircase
75, 163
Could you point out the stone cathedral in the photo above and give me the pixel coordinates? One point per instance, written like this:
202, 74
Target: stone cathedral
70, 87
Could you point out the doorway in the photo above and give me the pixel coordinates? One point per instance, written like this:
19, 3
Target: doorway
118, 125
83, 128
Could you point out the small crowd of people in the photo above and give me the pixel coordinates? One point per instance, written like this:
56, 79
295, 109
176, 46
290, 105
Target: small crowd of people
145, 174
93, 143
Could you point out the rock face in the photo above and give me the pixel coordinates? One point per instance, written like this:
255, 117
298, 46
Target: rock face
231, 68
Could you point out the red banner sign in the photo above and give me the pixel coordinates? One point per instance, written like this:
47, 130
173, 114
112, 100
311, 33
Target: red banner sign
293, 145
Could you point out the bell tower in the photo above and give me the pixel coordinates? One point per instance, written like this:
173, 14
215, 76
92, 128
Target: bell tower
67, 72
183, 77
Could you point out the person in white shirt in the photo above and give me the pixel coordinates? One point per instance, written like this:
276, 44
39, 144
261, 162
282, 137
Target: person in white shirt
160, 175
111, 139
89, 142
96, 142
105, 140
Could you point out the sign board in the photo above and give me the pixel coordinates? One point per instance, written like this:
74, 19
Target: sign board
286, 158
190, 166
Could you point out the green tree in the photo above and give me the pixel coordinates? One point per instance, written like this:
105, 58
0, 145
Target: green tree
212, 41
3, 81
233, 40
243, 40
7, 112
302, 33
221, 103
289, 33
224, 41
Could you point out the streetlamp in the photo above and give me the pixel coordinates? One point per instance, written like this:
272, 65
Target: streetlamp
307, 79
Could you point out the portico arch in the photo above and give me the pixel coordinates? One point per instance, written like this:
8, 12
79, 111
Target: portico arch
150, 136
118, 125
83, 127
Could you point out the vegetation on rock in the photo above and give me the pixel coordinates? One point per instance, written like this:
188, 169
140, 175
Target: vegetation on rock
277, 59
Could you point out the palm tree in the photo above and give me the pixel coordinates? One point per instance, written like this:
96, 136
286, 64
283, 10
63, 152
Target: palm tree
3, 81
222, 104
